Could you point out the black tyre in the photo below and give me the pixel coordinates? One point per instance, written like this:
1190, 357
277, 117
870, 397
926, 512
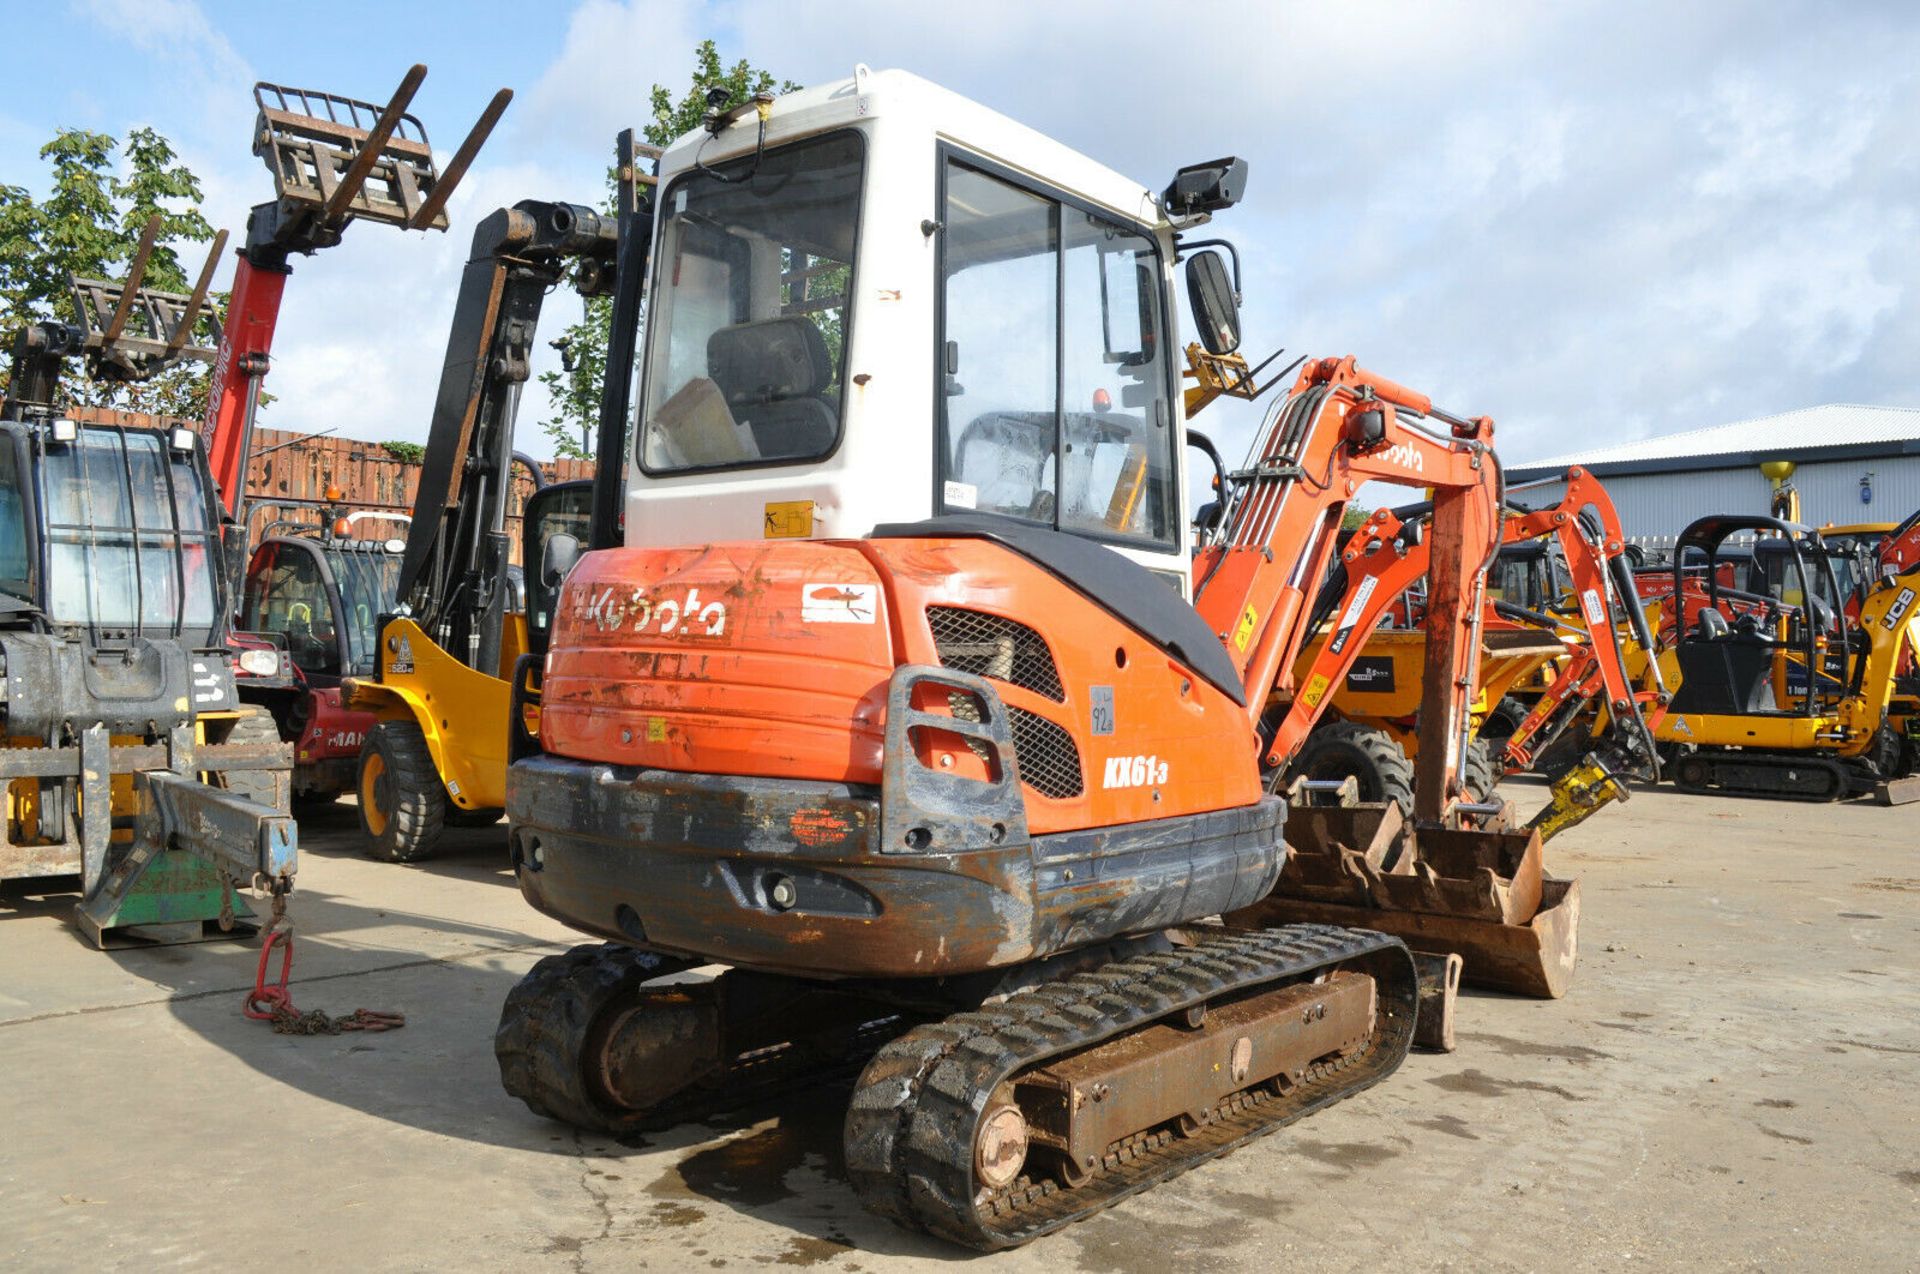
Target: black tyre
1480, 773
1340, 749
548, 1019
1503, 720
271, 788
403, 807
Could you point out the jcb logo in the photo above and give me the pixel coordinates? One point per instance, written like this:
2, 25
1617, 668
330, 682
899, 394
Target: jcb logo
609, 612
1134, 771
1899, 607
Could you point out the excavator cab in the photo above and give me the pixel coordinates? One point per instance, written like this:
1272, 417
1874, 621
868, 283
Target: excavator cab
1730, 652
790, 321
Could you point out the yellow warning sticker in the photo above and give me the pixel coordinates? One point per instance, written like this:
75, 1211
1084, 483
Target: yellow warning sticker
1243, 631
656, 729
1316, 686
788, 520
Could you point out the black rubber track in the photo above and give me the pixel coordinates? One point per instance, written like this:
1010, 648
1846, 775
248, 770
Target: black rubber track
911, 1126
419, 807
1842, 782
545, 1021
549, 1019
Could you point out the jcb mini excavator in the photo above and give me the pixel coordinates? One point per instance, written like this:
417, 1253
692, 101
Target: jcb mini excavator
1779, 694
969, 783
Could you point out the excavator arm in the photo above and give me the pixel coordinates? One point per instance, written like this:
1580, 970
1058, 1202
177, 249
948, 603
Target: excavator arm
1342, 426
1587, 528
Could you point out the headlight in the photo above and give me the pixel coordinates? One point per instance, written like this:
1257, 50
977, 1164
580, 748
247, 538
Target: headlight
260, 663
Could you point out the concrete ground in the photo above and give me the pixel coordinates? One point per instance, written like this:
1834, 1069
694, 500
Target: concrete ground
1733, 1083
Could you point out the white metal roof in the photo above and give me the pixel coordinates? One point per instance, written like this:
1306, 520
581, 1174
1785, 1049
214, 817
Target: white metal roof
1832, 425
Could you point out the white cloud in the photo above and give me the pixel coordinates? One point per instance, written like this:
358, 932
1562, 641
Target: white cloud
1582, 219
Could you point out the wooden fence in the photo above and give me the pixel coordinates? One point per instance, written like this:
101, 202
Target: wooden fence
289, 473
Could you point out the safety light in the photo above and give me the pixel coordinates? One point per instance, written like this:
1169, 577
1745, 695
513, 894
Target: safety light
65, 430
181, 439
335, 494
341, 526
260, 663
396, 546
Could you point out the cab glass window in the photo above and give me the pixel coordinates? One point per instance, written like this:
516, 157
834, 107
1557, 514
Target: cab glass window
16, 565
1053, 371
286, 593
129, 543
746, 359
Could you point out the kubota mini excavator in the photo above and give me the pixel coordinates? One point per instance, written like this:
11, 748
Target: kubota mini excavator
966, 782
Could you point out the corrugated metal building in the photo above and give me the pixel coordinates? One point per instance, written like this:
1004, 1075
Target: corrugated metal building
1852, 464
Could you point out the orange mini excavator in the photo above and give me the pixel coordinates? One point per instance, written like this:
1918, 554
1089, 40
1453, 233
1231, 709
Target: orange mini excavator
967, 789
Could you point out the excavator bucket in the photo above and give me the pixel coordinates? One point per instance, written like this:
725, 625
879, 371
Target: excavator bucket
1481, 895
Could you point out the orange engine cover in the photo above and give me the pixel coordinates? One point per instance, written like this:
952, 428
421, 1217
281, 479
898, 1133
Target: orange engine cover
773, 660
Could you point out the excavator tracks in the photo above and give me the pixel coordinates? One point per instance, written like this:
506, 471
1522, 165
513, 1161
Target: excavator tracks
1774, 776
555, 1019
929, 1122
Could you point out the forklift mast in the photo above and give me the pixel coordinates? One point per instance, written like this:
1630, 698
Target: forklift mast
452, 576
334, 160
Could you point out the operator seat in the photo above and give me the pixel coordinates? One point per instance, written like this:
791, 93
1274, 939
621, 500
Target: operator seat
1724, 671
774, 374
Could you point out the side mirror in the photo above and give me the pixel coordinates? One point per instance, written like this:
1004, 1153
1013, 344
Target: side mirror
557, 558
1210, 294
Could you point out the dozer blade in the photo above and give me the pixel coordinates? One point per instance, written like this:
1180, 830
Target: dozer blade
1480, 894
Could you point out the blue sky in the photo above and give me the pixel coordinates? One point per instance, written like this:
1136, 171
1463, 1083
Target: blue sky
1588, 220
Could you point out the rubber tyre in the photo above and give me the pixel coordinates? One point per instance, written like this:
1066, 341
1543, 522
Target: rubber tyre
546, 1021
1503, 720
403, 807
1480, 773
272, 788
1342, 748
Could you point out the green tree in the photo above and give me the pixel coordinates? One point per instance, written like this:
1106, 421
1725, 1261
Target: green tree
89, 226
575, 389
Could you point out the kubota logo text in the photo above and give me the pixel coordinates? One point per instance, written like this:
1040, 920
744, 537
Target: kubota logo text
610, 610
1134, 771
1406, 456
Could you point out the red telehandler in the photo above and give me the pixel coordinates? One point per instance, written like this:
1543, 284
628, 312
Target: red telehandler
335, 160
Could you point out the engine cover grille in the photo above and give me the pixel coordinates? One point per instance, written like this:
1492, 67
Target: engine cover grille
995, 647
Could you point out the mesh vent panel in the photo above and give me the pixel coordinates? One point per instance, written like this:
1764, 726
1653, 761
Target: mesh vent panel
991, 646
1049, 761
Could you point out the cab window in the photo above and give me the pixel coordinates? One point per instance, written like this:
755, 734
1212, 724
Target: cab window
287, 594
1052, 364
746, 361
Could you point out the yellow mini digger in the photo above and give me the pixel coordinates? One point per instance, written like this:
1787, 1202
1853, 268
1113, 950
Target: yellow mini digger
1778, 693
